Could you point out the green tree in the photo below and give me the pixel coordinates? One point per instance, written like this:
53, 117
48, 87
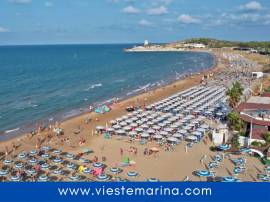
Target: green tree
235, 141
235, 93
235, 122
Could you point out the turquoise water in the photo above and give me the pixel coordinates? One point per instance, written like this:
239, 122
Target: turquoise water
49, 82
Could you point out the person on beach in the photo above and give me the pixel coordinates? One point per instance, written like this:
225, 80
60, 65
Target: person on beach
121, 151
186, 148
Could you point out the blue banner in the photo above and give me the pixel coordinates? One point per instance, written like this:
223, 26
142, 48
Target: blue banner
137, 191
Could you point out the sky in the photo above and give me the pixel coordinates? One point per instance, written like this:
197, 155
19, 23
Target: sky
131, 21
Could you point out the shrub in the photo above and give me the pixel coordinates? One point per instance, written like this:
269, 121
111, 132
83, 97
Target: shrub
256, 144
266, 137
235, 141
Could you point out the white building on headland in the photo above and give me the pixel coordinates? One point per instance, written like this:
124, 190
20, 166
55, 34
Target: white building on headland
194, 45
146, 43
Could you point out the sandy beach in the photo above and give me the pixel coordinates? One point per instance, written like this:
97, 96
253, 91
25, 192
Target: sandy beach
164, 165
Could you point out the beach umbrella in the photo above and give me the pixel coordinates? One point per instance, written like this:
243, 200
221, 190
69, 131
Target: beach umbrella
204, 126
224, 147
191, 138
229, 179
139, 129
161, 125
33, 152
32, 161
151, 131
22, 155
98, 165
43, 178
103, 177
139, 122
182, 131
19, 165
202, 130
120, 132
115, 170
4, 172
155, 127
213, 164
263, 177
164, 133
157, 137
16, 178
172, 139
144, 126
57, 160
58, 172
87, 170
134, 125
127, 128
71, 166
110, 130
177, 135
70, 156
152, 179
132, 174
45, 156
168, 129
45, 166
116, 127
132, 133
204, 173
100, 128
45, 148
7, 161
123, 123
145, 135
75, 177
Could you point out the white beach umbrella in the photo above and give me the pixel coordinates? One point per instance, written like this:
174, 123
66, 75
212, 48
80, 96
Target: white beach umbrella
172, 139
145, 135
191, 138
157, 137
177, 135
100, 128
132, 133
133, 125
120, 132
139, 129
116, 127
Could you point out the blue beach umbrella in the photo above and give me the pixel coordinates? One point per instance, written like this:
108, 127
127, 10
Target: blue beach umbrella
87, 171
229, 179
132, 174
75, 177
16, 178
43, 178
22, 155
7, 161
152, 179
57, 160
103, 177
33, 152
115, 170
98, 165
204, 173
4, 172
19, 165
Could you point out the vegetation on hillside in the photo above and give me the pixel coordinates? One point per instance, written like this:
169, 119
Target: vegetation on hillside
215, 43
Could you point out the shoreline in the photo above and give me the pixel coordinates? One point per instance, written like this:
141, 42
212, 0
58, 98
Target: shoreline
187, 79
25, 129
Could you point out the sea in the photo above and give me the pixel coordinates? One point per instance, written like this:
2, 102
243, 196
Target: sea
46, 83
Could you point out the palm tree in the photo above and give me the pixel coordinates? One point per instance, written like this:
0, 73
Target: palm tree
235, 93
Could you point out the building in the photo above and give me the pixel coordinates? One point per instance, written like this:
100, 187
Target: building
220, 135
194, 45
256, 114
146, 43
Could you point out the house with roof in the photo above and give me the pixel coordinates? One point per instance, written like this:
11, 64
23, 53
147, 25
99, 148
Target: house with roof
256, 115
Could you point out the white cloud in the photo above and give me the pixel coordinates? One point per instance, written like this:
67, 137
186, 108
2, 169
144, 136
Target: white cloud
48, 4
2, 29
157, 11
131, 10
252, 6
188, 19
144, 22
21, 1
